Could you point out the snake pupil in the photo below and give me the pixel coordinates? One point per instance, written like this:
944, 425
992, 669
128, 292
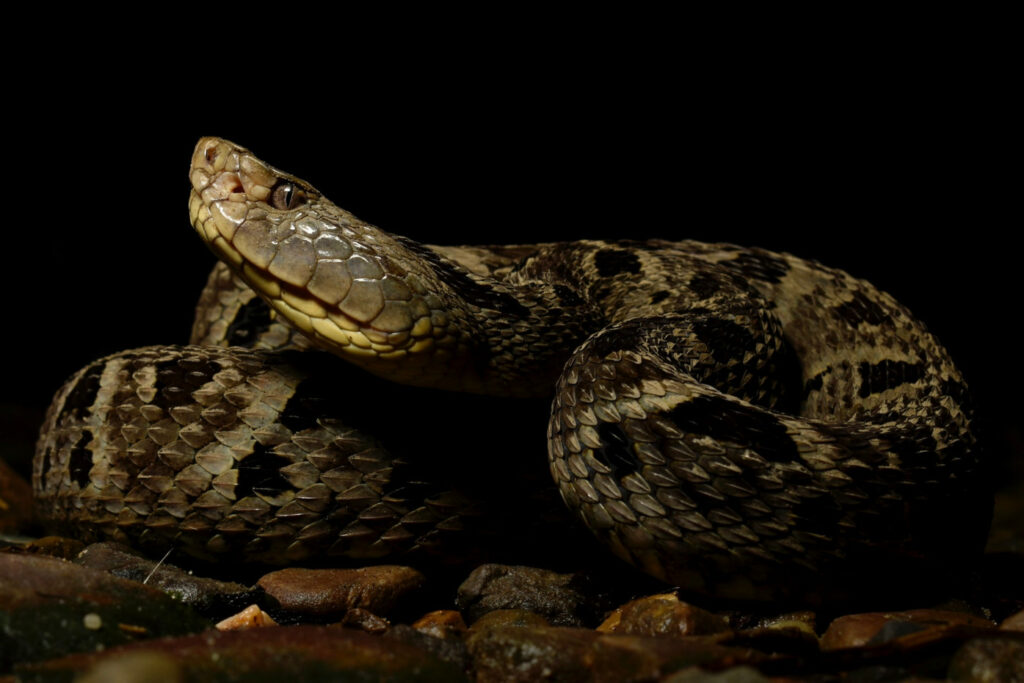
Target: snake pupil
286, 196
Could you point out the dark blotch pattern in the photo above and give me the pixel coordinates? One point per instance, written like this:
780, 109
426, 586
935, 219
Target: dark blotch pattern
600, 293
816, 382
758, 264
252, 320
658, 297
861, 309
260, 472
887, 374
473, 292
625, 336
916, 447
84, 393
567, 297
705, 285
317, 393
80, 462
725, 339
725, 421
612, 262
615, 451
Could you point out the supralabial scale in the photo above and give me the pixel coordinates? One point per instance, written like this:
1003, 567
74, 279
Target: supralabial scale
736, 422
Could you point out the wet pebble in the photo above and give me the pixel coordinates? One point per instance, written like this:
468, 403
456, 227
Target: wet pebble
514, 618
562, 599
364, 620
873, 628
332, 592
251, 617
443, 623
663, 615
1014, 622
803, 621
49, 607
452, 650
528, 653
266, 654
60, 547
736, 674
207, 596
134, 667
791, 633
984, 660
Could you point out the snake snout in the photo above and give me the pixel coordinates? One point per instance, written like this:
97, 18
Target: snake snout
211, 156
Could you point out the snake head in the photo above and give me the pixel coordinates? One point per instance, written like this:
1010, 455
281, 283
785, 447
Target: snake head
344, 283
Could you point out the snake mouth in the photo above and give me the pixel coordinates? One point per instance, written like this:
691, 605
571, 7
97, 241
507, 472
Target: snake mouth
315, 264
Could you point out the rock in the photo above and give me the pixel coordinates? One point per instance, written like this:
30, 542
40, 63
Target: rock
442, 623
251, 617
208, 596
873, 628
787, 634
51, 607
61, 547
298, 653
452, 650
562, 599
1014, 622
515, 618
737, 674
364, 620
134, 667
332, 592
803, 621
989, 660
662, 615
531, 653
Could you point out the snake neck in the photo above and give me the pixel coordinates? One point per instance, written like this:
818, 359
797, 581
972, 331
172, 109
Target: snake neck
399, 309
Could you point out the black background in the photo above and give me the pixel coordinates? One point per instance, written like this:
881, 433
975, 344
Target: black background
892, 172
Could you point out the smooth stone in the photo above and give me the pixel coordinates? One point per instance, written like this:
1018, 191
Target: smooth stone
873, 628
208, 596
298, 653
663, 615
531, 653
327, 592
50, 607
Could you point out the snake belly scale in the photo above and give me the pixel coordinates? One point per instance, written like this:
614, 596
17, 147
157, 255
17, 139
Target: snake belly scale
735, 421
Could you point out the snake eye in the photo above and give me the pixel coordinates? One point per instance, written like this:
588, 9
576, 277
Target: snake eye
286, 196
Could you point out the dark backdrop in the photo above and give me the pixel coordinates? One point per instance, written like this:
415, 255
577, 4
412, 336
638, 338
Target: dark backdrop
897, 181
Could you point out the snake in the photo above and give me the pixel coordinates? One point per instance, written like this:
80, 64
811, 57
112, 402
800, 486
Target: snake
731, 420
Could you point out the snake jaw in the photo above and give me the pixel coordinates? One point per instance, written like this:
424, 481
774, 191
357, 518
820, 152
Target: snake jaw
315, 264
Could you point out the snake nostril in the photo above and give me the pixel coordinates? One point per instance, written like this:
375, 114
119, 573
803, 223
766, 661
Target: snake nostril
233, 184
211, 154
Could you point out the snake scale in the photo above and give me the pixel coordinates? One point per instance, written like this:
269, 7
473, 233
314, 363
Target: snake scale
734, 421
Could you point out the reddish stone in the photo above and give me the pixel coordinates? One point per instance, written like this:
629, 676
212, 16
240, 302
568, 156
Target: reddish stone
322, 592
443, 623
855, 630
663, 615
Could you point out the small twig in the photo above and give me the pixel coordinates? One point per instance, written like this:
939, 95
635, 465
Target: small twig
157, 566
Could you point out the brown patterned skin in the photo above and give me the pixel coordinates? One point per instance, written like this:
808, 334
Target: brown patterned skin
735, 421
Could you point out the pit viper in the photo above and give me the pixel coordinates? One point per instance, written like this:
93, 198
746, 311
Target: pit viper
731, 420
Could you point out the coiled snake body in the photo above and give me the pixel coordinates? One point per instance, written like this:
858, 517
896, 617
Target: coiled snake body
732, 420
